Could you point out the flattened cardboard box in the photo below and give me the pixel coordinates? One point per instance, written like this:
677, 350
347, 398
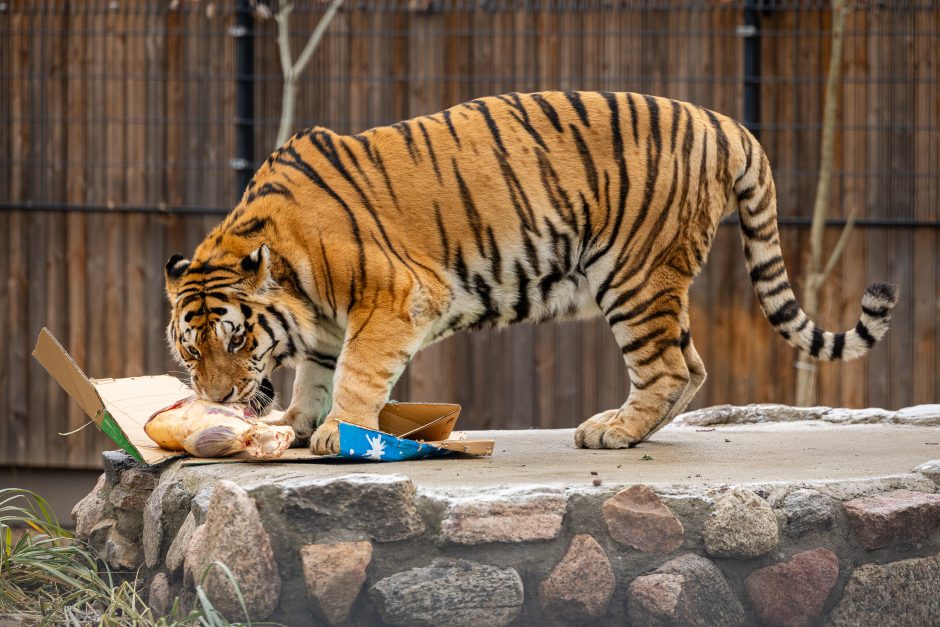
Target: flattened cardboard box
121, 407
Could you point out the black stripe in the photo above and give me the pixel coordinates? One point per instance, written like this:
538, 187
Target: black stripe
427, 142
876, 313
473, 216
548, 110
674, 131
786, 313
445, 243
522, 301
450, 127
575, 99
780, 287
322, 359
862, 331
517, 195
249, 228
641, 341
586, 159
524, 120
817, 343
495, 256
483, 108
758, 272
633, 119
838, 343
405, 131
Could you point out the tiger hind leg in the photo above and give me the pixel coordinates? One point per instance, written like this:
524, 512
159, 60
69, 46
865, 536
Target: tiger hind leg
647, 328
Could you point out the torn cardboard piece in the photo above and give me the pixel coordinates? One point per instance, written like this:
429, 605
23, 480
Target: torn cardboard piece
121, 408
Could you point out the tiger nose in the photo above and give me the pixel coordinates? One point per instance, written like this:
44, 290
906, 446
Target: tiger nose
227, 396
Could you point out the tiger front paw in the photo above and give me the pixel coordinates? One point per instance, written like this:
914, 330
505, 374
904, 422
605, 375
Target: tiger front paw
606, 430
325, 440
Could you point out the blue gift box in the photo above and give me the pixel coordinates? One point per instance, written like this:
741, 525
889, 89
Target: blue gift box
409, 431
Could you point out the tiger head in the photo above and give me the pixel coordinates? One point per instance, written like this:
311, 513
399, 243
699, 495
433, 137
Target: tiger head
224, 327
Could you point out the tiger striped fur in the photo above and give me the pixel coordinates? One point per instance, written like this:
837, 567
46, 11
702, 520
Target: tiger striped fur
347, 254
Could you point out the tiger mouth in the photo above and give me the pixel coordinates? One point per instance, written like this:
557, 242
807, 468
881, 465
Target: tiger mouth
262, 400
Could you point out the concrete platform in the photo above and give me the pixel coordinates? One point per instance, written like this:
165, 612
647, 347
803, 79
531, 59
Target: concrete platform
737, 454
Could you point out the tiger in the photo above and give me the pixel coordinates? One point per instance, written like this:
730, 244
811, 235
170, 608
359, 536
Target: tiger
349, 253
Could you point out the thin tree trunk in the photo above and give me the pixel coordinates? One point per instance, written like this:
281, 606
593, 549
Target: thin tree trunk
817, 273
291, 69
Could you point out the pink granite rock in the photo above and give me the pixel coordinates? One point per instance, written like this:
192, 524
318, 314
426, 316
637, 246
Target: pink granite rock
234, 535
792, 594
578, 588
637, 517
689, 590
896, 517
334, 574
513, 518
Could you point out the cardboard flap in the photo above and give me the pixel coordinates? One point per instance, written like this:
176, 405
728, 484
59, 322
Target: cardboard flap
67, 374
133, 400
419, 421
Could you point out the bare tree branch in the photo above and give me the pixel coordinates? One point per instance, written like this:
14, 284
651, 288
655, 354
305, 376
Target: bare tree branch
293, 69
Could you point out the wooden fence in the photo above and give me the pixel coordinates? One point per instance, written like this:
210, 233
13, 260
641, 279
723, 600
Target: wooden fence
117, 131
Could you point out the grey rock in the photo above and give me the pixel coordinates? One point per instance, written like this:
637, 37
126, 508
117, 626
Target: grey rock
234, 535
920, 415
129, 523
121, 552
742, 525
193, 569
176, 554
450, 592
689, 590
115, 463
164, 512
931, 470
99, 534
808, 510
382, 507
89, 511
139, 479
199, 505
898, 593
160, 599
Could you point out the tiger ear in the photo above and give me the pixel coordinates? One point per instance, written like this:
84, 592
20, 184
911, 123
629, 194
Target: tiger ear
173, 270
257, 267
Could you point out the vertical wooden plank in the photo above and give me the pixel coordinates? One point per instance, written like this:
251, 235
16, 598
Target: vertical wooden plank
56, 302
135, 233
854, 106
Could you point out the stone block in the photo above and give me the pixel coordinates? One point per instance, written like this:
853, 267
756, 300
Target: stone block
179, 547
579, 587
808, 510
382, 507
897, 517
334, 574
234, 535
94, 507
511, 518
792, 593
898, 593
115, 463
689, 590
741, 526
120, 552
931, 470
457, 593
637, 517
160, 599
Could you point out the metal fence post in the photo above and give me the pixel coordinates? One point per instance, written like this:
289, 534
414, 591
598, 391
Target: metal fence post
243, 32
750, 31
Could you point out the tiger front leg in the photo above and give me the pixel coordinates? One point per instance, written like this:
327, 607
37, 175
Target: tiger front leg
312, 394
379, 344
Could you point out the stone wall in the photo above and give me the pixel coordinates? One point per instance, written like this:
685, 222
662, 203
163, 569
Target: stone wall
370, 549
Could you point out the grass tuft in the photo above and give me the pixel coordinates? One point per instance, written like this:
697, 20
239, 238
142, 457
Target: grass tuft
48, 577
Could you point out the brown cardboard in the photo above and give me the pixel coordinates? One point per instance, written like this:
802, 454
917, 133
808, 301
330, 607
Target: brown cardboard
121, 408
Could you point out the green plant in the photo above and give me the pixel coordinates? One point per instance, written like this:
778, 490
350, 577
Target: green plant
48, 577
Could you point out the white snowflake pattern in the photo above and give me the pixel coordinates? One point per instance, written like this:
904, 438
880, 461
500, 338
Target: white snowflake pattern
378, 448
